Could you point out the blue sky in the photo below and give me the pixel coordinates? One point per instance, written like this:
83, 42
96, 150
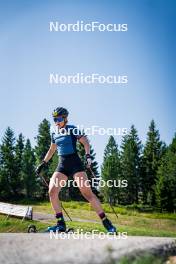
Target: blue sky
146, 53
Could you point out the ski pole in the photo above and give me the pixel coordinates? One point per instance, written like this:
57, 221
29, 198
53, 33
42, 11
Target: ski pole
112, 208
66, 212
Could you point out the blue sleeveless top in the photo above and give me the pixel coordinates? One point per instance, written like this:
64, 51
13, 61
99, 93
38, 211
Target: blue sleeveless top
65, 139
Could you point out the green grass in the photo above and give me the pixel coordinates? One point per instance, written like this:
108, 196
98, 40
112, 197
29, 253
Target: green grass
145, 259
129, 220
123, 210
16, 225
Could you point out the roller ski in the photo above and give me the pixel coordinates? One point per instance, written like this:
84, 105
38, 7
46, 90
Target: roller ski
33, 229
59, 228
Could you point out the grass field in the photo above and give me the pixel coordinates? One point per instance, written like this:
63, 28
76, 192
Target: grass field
144, 259
130, 221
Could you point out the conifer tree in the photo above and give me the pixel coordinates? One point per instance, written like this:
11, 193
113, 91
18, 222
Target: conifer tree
166, 180
152, 154
18, 161
131, 165
111, 170
28, 171
8, 183
43, 144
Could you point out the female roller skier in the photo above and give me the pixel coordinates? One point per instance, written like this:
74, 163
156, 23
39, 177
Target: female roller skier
64, 138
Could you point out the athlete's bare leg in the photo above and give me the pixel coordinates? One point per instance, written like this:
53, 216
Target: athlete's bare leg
84, 186
56, 183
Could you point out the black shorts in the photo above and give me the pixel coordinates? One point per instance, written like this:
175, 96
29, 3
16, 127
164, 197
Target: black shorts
70, 164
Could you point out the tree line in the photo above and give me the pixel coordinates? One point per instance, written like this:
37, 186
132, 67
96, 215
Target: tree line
149, 169
18, 161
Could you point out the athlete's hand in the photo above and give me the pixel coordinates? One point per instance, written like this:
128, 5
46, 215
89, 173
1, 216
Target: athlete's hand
40, 167
88, 160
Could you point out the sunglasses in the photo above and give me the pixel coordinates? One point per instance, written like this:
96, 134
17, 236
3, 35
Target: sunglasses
58, 119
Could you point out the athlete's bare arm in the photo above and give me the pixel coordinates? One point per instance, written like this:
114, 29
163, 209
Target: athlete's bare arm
50, 152
83, 140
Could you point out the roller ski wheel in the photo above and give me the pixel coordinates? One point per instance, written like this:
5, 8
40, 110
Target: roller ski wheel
32, 229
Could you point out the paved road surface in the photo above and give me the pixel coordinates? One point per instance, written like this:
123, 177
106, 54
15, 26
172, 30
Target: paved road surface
40, 248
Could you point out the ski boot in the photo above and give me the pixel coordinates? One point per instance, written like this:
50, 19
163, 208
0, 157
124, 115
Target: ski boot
60, 227
109, 227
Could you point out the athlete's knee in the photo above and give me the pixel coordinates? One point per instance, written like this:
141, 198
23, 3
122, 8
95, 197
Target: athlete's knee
52, 192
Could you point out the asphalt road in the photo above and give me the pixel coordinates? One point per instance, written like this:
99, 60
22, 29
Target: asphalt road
41, 248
